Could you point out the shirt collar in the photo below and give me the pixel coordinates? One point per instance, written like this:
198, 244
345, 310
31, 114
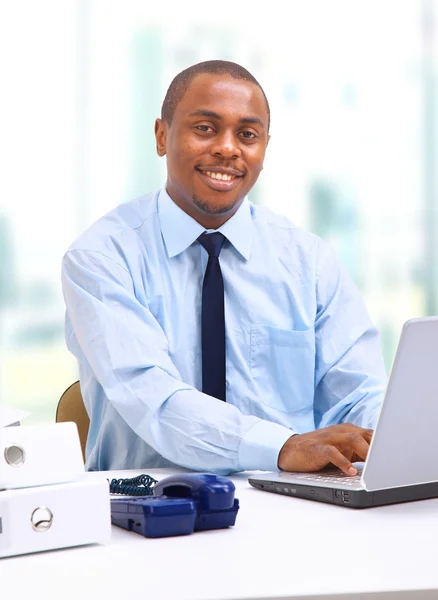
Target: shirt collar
180, 230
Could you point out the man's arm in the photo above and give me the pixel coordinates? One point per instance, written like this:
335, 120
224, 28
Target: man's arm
350, 375
128, 353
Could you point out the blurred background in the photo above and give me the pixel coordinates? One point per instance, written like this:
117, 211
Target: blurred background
353, 88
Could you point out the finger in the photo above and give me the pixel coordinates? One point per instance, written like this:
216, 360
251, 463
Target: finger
339, 460
349, 427
359, 446
368, 435
352, 428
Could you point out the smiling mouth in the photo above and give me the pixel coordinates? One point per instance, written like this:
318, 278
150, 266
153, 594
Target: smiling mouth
221, 176
224, 180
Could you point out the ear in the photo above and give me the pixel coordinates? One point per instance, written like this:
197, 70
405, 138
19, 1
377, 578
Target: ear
161, 129
267, 142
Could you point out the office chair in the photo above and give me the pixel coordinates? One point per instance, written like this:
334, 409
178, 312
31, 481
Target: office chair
71, 408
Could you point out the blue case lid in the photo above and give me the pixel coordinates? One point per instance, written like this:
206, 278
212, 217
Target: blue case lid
216, 519
153, 505
212, 492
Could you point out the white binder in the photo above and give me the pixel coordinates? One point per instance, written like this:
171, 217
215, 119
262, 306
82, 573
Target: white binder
32, 455
54, 516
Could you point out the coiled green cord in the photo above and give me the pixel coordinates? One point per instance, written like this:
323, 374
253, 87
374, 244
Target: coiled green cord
137, 486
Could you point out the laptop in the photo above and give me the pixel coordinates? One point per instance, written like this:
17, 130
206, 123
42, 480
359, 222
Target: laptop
402, 462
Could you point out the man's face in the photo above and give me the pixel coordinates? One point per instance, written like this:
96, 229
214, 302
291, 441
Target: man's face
215, 146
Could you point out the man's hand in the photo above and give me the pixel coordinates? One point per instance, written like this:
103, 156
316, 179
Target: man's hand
340, 445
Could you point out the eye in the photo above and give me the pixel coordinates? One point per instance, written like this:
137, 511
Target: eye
248, 135
204, 128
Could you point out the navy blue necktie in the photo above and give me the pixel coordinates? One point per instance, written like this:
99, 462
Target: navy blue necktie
213, 319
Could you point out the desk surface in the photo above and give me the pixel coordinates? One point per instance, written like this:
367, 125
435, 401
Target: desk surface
280, 547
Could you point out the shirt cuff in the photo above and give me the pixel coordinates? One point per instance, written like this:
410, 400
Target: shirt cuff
260, 447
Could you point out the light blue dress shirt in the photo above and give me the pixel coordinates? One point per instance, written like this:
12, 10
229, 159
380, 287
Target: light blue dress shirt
301, 350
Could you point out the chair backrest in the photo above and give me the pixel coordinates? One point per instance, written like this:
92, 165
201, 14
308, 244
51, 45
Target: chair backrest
71, 408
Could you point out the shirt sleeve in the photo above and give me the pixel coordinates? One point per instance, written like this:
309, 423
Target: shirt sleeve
349, 373
127, 352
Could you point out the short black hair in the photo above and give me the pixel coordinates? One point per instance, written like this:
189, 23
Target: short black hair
181, 82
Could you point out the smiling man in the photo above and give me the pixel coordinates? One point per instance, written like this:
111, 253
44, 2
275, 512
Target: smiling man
215, 148
211, 333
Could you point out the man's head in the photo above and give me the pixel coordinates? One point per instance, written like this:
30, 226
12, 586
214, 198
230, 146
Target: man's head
214, 129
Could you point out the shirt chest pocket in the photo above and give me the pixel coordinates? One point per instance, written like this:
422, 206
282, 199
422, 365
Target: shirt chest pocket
282, 364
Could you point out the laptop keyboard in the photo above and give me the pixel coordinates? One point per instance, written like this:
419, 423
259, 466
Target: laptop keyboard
333, 478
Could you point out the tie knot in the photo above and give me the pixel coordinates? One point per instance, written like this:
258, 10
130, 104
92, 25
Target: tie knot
212, 242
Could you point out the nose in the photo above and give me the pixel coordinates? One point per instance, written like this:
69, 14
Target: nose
226, 146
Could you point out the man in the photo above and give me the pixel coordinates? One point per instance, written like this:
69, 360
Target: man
211, 333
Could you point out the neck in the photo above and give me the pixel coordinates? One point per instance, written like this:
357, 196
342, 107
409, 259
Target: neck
207, 219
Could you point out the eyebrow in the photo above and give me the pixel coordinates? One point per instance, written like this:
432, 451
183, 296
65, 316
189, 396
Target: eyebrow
213, 115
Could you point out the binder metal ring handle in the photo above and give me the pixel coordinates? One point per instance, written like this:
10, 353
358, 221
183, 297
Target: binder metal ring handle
15, 456
41, 518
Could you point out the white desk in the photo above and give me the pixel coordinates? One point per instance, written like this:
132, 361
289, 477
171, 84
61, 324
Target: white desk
280, 547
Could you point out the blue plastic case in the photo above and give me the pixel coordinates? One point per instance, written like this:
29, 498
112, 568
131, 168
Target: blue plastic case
180, 505
216, 506
153, 516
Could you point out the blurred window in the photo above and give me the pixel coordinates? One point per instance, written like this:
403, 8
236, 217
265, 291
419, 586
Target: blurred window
353, 94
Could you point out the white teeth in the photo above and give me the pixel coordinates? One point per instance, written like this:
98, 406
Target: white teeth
222, 176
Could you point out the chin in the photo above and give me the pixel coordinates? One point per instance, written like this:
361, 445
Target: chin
215, 208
